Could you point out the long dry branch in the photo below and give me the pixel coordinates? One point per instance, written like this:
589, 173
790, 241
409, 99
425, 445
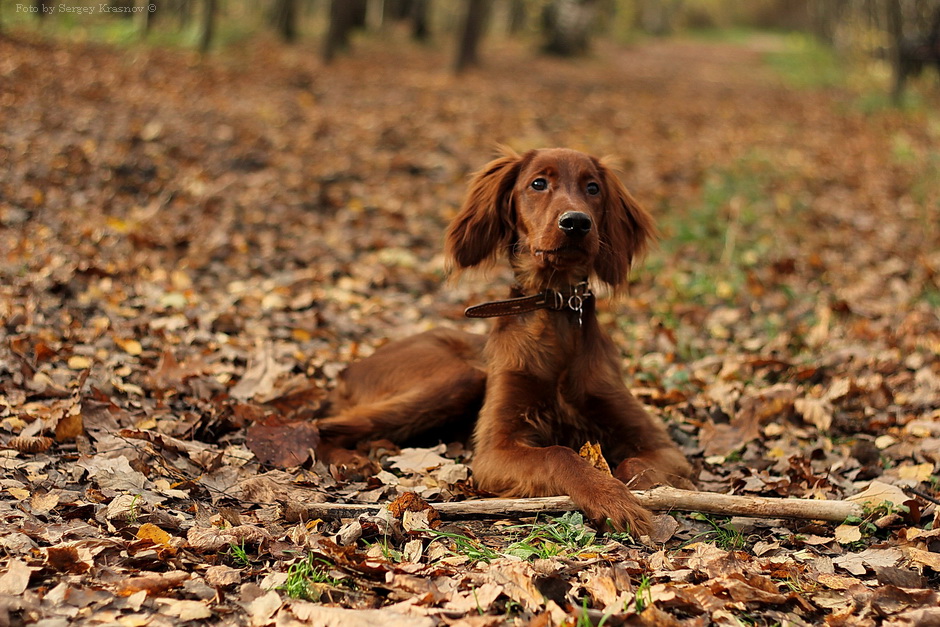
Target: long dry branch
661, 499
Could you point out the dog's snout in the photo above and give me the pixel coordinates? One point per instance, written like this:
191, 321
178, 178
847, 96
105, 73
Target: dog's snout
575, 223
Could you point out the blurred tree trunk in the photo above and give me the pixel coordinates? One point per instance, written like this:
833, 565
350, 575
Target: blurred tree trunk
344, 15
415, 11
41, 7
826, 18
395, 10
150, 17
360, 13
567, 26
375, 14
284, 18
420, 24
471, 34
896, 31
184, 12
914, 29
209, 10
658, 17
517, 16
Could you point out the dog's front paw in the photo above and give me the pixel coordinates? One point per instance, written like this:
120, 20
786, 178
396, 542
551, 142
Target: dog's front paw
613, 505
662, 468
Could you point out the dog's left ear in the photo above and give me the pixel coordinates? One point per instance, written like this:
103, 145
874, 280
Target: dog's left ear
626, 231
484, 225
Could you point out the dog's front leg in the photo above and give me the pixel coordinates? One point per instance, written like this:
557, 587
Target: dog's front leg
641, 451
511, 460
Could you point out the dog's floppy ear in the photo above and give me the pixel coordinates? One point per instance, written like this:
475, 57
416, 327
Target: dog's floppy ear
626, 231
485, 223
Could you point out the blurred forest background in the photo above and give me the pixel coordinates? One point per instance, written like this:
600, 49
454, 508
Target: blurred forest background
903, 34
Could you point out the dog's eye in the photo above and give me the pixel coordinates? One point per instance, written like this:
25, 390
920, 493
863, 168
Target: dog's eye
593, 189
539, 184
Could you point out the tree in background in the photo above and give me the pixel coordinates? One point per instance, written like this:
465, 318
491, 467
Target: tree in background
209, 10
284, 19
417, 12
904, 33
472, 32
42, 5
658, 17
420, 20
345, 15
150, 17
567, 26
517, 16
915, 41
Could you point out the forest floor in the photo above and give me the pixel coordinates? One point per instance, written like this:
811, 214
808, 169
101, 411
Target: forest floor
191, 249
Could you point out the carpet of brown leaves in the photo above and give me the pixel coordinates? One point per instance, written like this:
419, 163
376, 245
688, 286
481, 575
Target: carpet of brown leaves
191, 249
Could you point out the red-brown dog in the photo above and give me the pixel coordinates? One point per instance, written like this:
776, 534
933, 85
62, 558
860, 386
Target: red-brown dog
547, 379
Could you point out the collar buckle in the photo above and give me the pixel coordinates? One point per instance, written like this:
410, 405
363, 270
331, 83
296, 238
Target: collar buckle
572, 299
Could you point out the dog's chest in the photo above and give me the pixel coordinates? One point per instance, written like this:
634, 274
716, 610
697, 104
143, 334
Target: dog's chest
558, 421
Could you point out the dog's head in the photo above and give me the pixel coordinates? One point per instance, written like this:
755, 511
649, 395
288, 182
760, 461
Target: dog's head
560, 215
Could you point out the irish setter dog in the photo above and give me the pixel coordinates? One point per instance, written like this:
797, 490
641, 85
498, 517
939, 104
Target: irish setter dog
547, 379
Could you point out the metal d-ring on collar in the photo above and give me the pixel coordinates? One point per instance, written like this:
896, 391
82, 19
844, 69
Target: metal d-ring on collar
572, 299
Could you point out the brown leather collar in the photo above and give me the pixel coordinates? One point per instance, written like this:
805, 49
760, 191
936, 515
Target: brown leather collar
573, 299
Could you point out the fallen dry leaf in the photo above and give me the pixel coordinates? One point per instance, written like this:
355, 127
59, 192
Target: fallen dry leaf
338, 617
847, 534
32, 444
262, 609
69, 559
70, 425
211, 539
43, 503
148, 531
837, 582
185, 610
858, 563
817, 412
877, 493
154, 584
262, 374
417, 460
282, 444
591, 451
16, 578
222, 576
918, 473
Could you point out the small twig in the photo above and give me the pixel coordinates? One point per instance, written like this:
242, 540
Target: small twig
921, 494
658, 499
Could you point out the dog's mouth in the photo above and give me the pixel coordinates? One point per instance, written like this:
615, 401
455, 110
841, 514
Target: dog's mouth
564, 248
565, 253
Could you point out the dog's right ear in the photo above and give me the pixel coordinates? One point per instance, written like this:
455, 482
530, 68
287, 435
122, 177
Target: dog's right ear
484, 225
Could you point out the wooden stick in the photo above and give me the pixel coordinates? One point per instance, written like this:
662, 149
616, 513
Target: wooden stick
661, 499
664, 498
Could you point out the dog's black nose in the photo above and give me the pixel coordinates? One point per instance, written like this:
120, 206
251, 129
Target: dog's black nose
575, 223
